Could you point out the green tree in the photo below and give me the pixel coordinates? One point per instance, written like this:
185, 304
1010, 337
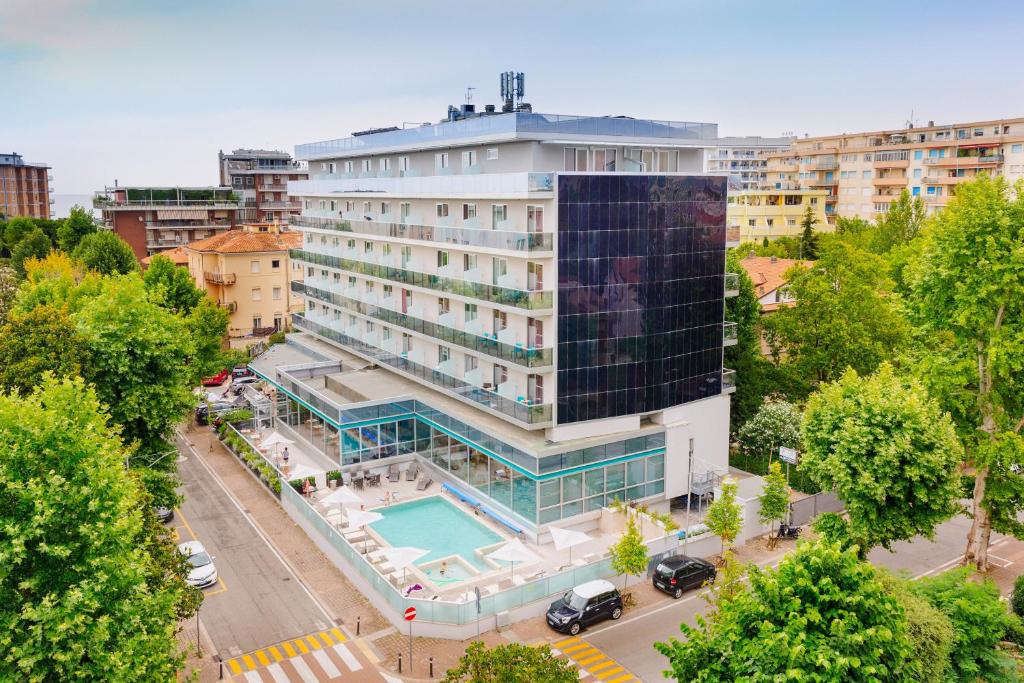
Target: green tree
822, 615
724, 517
42, 340
774, 499
84, 598
966, 301
511, 663
77, 225
106, 253
776, 423
172, 286
8, 291
207, 324
888, 452
808, 238
843, 317
930, 632
901, 223
629, 554
745, 356
15, 230
33, 245
980, 622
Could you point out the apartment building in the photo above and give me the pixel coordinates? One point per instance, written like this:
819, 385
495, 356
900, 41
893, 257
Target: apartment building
24, 188
746, 158
864, 172
531, 304
248, 271
760, 213
260, 178
155, 219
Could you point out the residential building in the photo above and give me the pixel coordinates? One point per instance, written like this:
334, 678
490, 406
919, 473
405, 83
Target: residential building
531, 304
24, 188
865, 172
178, 256
247, 271
260, 177
760, 213
745, 158
768, 273
154, 219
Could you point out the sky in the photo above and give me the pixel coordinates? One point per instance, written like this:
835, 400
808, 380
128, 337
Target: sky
148, 91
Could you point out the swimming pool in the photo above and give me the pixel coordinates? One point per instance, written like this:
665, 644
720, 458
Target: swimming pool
435, 525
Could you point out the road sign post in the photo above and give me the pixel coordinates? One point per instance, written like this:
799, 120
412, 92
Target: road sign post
790, 457
410, 615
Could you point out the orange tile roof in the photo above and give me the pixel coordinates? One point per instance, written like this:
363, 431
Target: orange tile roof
767, 272
177, 255
243, 241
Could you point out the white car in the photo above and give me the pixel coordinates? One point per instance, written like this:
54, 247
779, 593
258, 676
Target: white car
202, 572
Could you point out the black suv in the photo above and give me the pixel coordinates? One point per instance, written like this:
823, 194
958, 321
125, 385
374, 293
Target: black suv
679, 573
584, 605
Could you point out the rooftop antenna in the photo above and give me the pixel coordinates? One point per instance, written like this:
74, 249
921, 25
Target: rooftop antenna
513, 89
469, 94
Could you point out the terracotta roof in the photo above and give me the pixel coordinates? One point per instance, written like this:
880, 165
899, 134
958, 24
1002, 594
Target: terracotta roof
767, 272
242, 241
177, 255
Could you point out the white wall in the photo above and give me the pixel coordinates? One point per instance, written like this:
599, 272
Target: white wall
707, 423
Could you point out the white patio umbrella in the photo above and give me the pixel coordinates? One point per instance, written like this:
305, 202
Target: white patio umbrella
275, 439
403, 556
567, 538
514, 551
302, 472
360, 518
342, 495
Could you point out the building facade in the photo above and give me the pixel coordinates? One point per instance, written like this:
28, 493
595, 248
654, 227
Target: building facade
155, 219
760, 213
260, 178
248, 272
746, 158
540, 297
24, 188
864, 172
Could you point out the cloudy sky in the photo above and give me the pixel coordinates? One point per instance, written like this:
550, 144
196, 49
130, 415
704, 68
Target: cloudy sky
147, 91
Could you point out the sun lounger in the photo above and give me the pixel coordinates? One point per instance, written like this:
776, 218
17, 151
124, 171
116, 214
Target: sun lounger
424, 482
579, 562
412, 471
393, 473
376, 555
490, 589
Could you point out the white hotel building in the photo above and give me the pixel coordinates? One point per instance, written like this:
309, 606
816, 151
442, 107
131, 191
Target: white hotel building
531, 305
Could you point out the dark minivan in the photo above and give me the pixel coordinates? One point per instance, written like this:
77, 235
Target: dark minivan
584, 605
679, 573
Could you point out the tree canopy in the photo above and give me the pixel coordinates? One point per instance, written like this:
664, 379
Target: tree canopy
171, 286
629, 553
106, 253
72, 229
43, 340
724, 516
511, 663
752, 369
34, 244
888, 452
808, 238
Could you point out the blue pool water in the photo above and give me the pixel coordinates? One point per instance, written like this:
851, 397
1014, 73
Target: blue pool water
436, 525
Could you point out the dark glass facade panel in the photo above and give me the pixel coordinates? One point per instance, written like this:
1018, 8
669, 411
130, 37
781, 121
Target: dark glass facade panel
641, 268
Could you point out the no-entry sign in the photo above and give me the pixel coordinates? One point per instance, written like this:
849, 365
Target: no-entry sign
410, 613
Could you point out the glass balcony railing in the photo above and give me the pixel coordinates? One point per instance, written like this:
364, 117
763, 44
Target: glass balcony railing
514, 353
476, 237
730, 334
732, 284
517, 410
728, 381
535, 300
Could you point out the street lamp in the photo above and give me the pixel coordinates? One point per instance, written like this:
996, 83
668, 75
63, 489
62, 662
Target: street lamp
127, 458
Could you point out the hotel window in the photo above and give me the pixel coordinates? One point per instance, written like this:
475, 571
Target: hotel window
323, 165
404, 211
468, 211
257, 294
403, 164
492, 154
367, 208
332, 168
499, 268
385, 164
1016, 149
351, 281
388, 291
444, 305
470, 311
254, 266
469, 262
978, 132
866, 175
406, 256
668, 161
348, 166
333, 205
257, 322
441, 160
385, 208
444, 354
469, 158
442, 211
751, 222
385, 249
350, 206
351, 245
471, 363
867, 157
275, 294
499, 214
323, 204
309, 238
534, 219
917, 173
237, 181
918, 154
442, 259
604, 159
575, 159
367, 165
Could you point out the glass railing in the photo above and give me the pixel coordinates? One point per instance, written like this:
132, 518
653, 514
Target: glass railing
730, 334
477, 237
732, 284
519, 298
515, 353
728, 381
521, 411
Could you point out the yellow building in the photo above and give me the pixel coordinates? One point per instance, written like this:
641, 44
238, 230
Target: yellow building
775, 213
247, 271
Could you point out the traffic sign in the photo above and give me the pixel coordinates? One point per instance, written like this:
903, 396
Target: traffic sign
410, 613
787, 455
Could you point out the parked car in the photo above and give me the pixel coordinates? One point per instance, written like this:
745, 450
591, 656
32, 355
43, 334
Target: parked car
241, 371
586, 604
202, 572
677, 574
217, 408
242, 381
216, 380
164, 513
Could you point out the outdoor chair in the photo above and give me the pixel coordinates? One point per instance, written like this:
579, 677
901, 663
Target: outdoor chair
412, 471
373, 479
424, 482
393, 473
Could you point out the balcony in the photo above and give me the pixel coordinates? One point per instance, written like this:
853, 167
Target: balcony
820, 164
730, 334
944, 179
219, 278
732, 285
890, 181
984, 158
229, 306
515, 410
893, 163
539, 300
527, 356
109, 203
522, 185
294, 206
282, 187
728, 381
933, 199
965, 162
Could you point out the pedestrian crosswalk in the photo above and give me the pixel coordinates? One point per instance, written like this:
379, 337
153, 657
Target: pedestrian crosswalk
593, 664
321, 656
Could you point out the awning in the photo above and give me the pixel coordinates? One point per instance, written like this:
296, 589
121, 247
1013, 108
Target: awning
181, 214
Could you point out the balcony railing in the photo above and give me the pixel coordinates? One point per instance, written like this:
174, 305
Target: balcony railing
732, 284
274, 187
531, 300
295, 206
517, 410
515, 353
219, 278
476, 237
991, 158
229, 306
728, 381
103, 202
730, 334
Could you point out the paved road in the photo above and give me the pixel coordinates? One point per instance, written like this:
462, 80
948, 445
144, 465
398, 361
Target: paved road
629, 640
258, 601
